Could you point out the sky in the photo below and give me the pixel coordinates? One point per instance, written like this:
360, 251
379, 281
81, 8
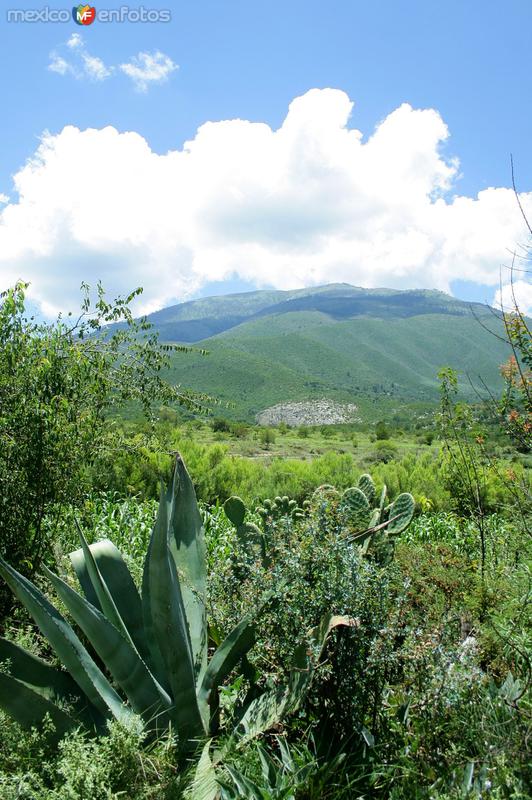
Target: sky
226, 146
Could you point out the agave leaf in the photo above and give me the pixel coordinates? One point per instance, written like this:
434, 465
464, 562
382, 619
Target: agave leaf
49, 681
204, 784
28, 708
186, 543
165, 615
156, 658
66, 645
117, 578
54, 684
147, 698
105, 598
307, 655
233, 648
268, 766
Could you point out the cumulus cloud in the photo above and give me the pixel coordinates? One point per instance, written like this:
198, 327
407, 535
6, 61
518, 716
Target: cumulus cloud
148, 68
82, 63
520, 293
309, 203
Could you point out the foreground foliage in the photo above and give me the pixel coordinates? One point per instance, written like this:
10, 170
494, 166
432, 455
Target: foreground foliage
58, 382
154, 646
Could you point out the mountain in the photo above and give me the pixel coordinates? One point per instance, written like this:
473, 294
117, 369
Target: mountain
376, 348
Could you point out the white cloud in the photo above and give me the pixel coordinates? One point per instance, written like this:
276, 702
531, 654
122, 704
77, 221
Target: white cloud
4, 198
144, 70
95, 68
83, 65
147, 68
309, 203
59, 64
520, 293
75, 41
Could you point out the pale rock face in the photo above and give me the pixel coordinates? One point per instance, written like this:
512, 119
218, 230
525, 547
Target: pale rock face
310, 412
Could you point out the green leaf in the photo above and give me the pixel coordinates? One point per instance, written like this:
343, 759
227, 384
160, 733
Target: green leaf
467, 779
106, 601
204, 785
244, 786
307, 656
54, 684
117, 578
164, 613
147, 698
49, 681
233, 648
268, 766
29, 708
186, 542
66, 645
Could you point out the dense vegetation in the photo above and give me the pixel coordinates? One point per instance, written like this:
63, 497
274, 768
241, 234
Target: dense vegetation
357, 646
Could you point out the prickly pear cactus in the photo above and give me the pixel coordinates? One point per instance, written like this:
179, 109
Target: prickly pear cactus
366, 485
247, 532
324, 496
282, 507
373, 524
355, 508
400, 514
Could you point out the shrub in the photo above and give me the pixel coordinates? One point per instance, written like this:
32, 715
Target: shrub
267, 437
381, 431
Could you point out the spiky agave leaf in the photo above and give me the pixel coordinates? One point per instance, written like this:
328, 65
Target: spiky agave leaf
186, 543
165, 618
67, 646
56, 685
117, 578
120, 657
29, 708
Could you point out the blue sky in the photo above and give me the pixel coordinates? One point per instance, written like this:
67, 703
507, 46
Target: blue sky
468, 61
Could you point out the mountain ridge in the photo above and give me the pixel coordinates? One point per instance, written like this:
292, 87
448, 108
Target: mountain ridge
189, 322
377, 348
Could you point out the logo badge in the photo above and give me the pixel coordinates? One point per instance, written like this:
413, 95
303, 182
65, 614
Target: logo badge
84, 15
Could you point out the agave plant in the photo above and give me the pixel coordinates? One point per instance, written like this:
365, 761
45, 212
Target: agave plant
153, 645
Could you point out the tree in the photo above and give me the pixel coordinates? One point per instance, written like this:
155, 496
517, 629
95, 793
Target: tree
58, 382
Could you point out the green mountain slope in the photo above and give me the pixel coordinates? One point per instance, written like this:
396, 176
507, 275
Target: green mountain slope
369, 347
